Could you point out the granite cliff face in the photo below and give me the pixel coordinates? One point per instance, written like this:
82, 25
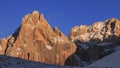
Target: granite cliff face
36, 40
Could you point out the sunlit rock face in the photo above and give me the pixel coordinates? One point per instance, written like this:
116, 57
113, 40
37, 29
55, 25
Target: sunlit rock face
97, 40
36, 40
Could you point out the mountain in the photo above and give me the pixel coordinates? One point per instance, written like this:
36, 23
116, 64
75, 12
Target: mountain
95, 41
36, 40
98, 30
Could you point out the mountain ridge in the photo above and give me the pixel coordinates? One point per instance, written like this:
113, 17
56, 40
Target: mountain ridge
35, 40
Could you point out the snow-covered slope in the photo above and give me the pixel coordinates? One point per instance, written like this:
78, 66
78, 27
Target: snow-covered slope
110, 61
11, 62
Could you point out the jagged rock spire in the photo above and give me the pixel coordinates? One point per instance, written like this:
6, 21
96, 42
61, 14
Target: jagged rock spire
35, 40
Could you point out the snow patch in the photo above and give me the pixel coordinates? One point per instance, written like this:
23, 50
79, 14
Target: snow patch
117, 48
104, 44
110, 61
9, 62
48, 47
84, 37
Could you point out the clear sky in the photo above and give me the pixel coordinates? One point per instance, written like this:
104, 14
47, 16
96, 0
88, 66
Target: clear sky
61, 13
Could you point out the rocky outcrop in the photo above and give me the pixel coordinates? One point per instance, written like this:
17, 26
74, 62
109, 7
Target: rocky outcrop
97, 40
36, 40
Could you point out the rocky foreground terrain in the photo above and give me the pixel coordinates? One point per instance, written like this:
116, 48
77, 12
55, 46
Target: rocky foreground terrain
35, 43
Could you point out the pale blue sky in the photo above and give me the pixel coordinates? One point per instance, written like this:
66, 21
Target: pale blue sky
61, 13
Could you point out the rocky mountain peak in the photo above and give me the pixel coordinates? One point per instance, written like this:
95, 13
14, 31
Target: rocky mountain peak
35, 12
98, 30
97, 40
35, 20
36, 40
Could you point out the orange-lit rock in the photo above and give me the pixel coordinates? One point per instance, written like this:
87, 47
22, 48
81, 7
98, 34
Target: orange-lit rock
35, 40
